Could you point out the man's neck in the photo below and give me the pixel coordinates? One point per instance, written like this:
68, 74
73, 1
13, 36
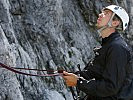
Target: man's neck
107, 32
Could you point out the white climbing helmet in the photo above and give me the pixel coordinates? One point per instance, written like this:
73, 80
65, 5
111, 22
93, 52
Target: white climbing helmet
121, 13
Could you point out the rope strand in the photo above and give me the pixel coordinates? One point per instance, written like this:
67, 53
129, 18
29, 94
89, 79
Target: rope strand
13, 69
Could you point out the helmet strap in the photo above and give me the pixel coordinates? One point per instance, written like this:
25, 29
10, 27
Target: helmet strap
110, 21
101, 29
109, 24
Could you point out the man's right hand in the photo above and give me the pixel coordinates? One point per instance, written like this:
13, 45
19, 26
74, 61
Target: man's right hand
70, 78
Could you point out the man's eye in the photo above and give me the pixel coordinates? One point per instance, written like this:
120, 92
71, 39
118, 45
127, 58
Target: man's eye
106, 13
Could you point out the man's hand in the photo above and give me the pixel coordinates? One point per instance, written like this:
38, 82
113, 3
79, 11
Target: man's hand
70, 78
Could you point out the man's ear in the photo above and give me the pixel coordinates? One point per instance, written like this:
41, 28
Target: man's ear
115, 23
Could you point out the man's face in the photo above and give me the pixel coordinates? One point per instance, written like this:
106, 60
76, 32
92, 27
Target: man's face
104, 18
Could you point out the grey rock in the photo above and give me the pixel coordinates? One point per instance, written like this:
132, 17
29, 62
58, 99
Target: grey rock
48, 34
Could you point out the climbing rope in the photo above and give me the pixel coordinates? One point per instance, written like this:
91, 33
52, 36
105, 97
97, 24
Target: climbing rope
15, 70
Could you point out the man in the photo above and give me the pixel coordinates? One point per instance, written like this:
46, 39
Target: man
106, 75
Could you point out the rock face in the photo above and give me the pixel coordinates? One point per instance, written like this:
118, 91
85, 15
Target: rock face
48, 34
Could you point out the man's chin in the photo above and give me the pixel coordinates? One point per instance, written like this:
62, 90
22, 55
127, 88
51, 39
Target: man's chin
97, 26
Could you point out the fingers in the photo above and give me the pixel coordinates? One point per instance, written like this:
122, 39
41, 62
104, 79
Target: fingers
66, 73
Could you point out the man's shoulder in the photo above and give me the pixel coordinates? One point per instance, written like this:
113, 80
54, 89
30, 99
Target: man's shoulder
119, 44
119, 47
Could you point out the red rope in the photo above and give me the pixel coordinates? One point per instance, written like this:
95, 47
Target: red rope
13, 69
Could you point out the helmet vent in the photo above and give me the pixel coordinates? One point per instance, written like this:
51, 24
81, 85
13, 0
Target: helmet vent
125, 24
116, 8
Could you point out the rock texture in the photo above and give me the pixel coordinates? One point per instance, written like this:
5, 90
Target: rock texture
48, 34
